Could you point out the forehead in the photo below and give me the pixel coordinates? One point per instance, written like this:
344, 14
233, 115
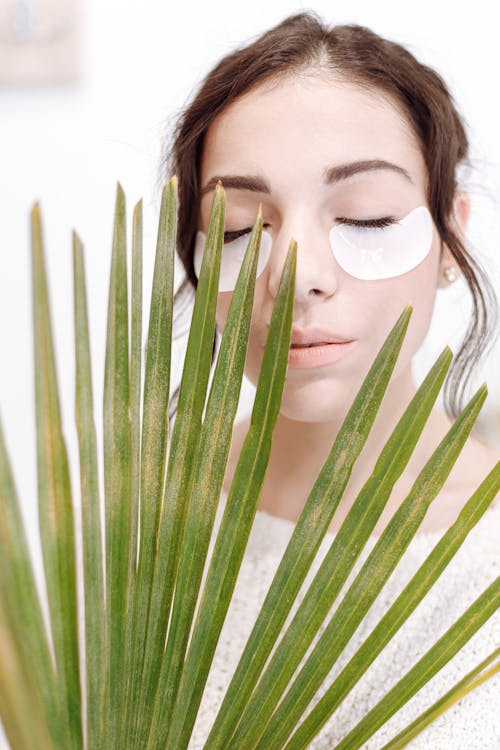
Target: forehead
296, 126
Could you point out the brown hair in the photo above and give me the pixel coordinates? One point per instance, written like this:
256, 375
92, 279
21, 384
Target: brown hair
302, 41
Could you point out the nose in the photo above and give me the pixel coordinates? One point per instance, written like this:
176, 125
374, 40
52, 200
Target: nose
317, 271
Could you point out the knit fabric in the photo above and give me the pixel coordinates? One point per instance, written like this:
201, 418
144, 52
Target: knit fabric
473, 722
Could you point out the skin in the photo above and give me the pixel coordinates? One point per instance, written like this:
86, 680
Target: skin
263, 134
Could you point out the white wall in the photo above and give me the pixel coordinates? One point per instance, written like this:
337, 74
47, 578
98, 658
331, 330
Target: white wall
142, 59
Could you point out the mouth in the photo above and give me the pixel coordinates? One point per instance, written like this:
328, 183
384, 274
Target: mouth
320, 343
316, 355
315, 336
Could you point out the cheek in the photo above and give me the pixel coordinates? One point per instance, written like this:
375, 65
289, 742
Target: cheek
385, 301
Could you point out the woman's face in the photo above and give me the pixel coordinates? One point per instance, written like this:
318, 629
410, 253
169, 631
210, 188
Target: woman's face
285, 136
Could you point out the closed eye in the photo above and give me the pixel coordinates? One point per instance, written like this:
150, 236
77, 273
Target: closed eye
385, 221
233, 235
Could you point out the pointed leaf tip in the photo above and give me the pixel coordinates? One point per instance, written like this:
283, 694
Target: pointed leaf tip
36, 222
483, 388
404, 318
480, 394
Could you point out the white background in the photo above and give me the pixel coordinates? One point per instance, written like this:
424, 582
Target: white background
67, 147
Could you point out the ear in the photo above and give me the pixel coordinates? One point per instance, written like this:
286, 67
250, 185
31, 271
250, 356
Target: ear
449, 269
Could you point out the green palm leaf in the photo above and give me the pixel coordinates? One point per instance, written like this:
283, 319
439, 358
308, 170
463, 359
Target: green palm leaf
26, 658
55, 501
151, 628
464, 686
447, 646
95, 625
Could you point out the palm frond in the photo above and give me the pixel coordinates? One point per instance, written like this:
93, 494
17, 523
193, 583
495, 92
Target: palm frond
95, 624
150, 627
55, 502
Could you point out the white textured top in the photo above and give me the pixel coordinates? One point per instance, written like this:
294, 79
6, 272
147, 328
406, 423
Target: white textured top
473, 722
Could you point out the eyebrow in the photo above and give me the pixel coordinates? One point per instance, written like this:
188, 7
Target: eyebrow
331, 175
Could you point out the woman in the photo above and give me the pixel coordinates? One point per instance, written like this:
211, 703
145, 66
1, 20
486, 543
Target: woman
351, 147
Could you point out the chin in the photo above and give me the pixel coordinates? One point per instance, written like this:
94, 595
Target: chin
328, 403
313, 414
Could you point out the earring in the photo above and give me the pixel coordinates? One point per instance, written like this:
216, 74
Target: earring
450, 274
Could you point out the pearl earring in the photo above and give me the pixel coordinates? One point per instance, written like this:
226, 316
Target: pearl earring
450, 274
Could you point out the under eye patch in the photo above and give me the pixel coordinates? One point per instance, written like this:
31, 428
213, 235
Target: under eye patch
367, 253
232, 257
372, 253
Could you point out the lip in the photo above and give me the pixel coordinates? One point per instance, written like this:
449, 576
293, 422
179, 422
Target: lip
316, 335
316, 356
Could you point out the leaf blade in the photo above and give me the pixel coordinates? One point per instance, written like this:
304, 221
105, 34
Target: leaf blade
485, 605
116, 432
23, 625
54, 497
470, 682
93, 554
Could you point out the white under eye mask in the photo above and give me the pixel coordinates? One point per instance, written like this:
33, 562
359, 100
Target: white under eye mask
367, 253
233, 254
372, 253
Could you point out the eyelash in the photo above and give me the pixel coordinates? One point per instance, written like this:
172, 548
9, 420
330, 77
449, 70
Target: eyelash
381, 223
231, 236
